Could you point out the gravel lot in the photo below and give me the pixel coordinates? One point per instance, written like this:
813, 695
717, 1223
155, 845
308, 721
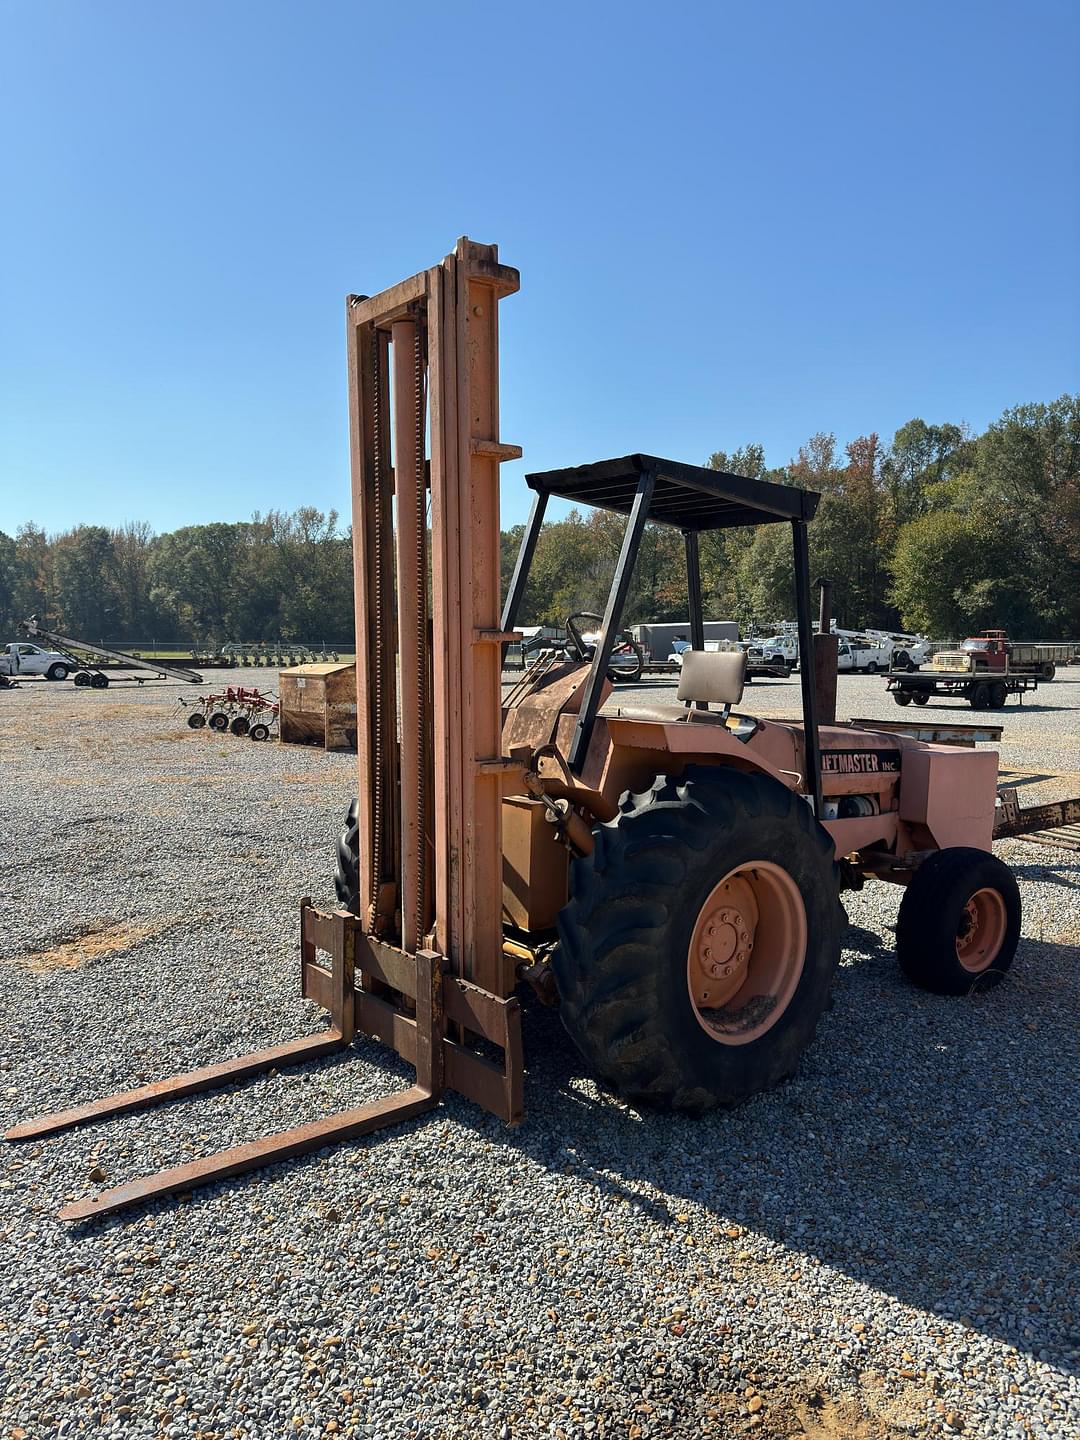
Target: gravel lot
888, 1245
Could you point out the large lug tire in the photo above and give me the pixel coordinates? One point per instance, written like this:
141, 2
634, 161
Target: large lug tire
902, 697
57, 672
714, 847
347, 870
959, 922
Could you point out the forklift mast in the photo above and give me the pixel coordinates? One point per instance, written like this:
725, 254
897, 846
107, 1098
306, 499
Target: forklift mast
424, 418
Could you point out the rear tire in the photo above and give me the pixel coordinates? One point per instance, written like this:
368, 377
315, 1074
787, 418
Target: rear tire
259, 731
57, 672
871, 667
902, 697
99, 681
1048, 671
959, 922
921, 697
81, 677
999, 693
632, 933
347, 871
979, 695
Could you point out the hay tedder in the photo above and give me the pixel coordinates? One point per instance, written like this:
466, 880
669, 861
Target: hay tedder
669, 874
239, 709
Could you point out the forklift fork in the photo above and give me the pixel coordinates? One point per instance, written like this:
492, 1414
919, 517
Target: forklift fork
415, 1030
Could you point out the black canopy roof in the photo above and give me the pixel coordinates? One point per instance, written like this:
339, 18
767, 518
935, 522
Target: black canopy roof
689, 497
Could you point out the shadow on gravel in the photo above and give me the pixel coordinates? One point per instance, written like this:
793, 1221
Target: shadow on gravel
904, 1153
925, 1147
1054, 872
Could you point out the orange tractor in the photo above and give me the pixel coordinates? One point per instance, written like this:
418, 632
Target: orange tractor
670, 873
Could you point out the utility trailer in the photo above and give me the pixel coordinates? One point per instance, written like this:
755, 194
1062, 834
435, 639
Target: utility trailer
959, 681
92, 675
669, 874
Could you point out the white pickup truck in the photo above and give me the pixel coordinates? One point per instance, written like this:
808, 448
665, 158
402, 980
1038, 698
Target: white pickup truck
22, 658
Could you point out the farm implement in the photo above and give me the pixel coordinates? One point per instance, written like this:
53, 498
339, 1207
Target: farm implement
236, 709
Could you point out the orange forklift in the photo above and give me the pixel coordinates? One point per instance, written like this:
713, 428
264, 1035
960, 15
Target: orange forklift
668, 873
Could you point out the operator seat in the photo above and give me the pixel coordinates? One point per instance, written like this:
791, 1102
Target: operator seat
709, 677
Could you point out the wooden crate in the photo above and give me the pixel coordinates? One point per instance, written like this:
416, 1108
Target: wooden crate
318, 705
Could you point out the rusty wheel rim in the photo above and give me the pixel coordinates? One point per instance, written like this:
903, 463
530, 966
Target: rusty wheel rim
980, 933
747, 952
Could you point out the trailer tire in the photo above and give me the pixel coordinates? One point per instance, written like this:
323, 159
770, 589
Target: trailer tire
999, 693
629, 966
81, 677
347, 870
1049, 670
902, 697
979, 695
959, 922
259, 731
921, 697
98, 681
57, 672
197, 721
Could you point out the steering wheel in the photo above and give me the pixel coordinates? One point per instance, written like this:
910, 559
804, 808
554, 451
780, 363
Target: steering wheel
584, 652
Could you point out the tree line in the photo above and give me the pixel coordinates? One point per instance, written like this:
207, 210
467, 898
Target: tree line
941, 531
276, 576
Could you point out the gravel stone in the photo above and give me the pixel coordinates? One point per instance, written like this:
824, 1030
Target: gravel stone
886, 1246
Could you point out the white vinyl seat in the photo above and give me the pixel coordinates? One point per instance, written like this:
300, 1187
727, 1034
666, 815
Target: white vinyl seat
713, 677
709, 677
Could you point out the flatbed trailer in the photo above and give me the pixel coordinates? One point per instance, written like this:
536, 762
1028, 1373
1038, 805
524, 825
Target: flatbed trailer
982, 690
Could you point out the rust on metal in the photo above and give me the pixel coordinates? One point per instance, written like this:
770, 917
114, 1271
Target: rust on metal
311, 1047
1011, 818
270, 1150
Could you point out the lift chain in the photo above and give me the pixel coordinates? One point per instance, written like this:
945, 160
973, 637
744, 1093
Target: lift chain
378, 796
420, 498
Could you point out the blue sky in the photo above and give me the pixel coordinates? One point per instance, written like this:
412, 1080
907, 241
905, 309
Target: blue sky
733, 222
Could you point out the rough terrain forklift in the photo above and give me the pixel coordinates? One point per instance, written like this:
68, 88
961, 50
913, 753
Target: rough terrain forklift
669, 873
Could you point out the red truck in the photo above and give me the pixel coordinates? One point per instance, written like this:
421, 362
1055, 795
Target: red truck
993, 650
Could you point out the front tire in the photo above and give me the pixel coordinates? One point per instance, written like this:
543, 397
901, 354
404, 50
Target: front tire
959, 922
347, 871
902, 697
636, 960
